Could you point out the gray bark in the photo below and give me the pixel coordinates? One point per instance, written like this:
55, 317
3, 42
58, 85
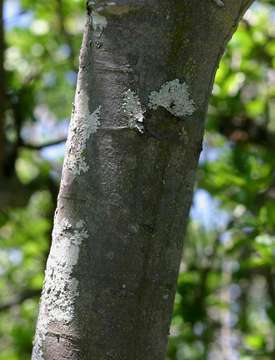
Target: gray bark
146, 73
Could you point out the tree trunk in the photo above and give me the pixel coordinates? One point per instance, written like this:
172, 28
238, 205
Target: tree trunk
146, 73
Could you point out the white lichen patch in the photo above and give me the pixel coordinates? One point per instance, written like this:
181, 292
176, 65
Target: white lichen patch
60, 289
133, 110
99, 21
83, 125
220, 3
173, 96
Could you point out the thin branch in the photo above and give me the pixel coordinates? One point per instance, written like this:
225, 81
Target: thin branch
66, 36
8, 19
15, 194
246, 130
42, 146
20, 298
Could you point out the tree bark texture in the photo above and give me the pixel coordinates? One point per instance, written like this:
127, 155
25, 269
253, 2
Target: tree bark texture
146, 73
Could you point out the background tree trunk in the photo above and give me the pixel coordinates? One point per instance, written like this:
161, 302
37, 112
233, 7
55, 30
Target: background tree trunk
146, 73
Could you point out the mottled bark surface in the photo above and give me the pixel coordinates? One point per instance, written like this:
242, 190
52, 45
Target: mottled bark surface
146, 73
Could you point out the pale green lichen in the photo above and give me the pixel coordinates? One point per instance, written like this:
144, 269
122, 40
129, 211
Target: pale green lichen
99, 21
133, 110
83, 125
173, 96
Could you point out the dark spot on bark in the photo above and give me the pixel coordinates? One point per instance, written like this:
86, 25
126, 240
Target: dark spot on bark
98, 44
162, 125
133, 59
148, 228
89, 7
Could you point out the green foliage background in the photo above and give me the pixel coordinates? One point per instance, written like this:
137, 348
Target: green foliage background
225, 303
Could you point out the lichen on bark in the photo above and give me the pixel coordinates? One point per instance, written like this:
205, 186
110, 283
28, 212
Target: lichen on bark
133, 110
174, 96
83, 125
60, 289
